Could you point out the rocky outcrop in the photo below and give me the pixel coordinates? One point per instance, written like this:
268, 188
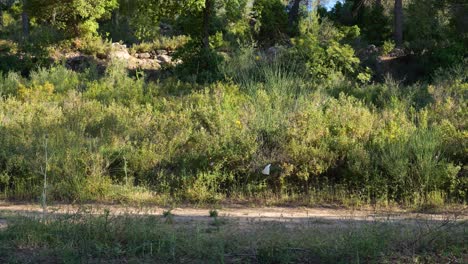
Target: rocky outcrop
144, 56
146, 60
151, 61
164, 59
119, 51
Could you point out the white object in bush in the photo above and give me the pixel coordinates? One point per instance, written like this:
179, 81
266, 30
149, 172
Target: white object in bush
266, 170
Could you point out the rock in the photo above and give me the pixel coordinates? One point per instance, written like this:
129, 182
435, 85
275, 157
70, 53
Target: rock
275, 51
71, 55
165, 29
164, 59
143, 55
144, 64
165, 26
371, 49
119, 51
397, 52
161, 52
118, 46
120, 54
148, 64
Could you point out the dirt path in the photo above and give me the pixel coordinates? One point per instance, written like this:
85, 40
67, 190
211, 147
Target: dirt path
244, 214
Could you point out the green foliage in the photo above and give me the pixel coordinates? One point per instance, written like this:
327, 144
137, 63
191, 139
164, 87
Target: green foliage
116, 87
92, 45
143, 16
377, 143
434, 32
375, 24
228, 109
75, 18
320, 47
271, 21
387, 47
373, 19
199, 64
416, 161
213, 213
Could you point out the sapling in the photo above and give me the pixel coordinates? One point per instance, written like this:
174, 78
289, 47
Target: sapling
44, 191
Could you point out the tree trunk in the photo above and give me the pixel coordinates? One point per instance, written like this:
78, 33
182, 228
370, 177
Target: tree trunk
25, 20
206, 23
398, 17
294, 13
116, 18
378, 3
54, 15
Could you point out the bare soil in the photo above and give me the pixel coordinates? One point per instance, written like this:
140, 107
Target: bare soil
244, 215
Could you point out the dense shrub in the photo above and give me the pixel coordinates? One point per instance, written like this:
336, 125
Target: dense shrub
199, 64
203, 143
323, 49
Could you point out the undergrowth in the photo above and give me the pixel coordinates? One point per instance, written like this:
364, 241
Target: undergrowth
119, 138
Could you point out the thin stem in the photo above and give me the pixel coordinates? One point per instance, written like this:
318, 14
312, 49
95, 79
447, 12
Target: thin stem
44, 192
125, 170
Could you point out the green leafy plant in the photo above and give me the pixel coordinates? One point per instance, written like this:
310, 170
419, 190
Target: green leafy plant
387, 47
213, 213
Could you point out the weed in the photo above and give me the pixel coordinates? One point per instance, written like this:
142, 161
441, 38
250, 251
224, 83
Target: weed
214, 213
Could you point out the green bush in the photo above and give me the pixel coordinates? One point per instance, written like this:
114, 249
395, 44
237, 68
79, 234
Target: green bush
387, 47
199, 64
320, 46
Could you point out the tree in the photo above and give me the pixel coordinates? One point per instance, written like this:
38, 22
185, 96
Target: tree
144, 16
5, 5
207, 13
437, 32
398, 20
25, 20
294, 13
73, 17
2, 6
369, 15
